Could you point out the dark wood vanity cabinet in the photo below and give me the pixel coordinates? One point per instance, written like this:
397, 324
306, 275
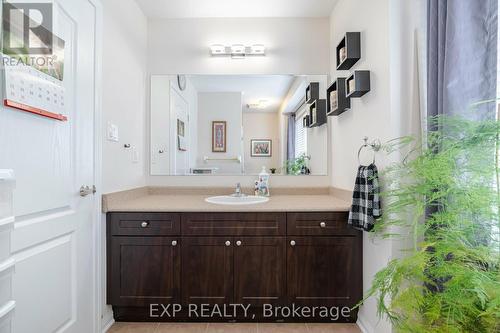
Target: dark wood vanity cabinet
310, 259
260, 270
324, 260
236, 258
144, 270
207, 270
324, 271
225, 270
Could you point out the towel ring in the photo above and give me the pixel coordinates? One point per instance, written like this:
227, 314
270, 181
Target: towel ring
375, 146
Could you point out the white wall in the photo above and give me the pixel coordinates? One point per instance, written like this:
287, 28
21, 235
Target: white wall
124, 104
160, 125
226, 107
123, 93
295, 46
369, 116
388, 111
256, 126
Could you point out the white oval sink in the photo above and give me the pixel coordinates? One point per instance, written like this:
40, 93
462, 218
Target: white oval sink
230, 200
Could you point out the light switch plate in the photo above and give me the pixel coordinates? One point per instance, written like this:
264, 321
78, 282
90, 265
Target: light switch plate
135, 155
112, 132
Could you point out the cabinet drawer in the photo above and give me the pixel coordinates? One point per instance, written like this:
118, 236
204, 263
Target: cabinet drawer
234, 224
145, 224
318, 224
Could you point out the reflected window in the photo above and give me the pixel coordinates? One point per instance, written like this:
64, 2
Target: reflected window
300, 134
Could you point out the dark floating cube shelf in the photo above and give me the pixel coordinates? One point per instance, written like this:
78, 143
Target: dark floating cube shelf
357, 84
342, 102
312, 92
351, 44
317, 113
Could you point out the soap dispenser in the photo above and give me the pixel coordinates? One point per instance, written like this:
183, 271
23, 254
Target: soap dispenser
264, 182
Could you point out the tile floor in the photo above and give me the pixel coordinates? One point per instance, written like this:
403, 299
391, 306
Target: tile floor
231, 328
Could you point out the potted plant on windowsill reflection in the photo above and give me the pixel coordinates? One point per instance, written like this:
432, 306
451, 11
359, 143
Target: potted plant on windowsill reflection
443, 199
298, 166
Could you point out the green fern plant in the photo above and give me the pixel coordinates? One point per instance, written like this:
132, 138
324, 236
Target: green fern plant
443, 200
297, 166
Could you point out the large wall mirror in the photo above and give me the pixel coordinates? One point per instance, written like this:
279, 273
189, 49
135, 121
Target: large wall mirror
235, 125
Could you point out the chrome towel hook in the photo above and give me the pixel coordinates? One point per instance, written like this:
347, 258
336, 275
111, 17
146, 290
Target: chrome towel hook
375, 145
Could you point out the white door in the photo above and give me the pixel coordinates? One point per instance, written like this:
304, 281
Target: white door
53, 237
180, 110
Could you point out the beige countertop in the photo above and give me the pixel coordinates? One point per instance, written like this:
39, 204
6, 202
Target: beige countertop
153, 199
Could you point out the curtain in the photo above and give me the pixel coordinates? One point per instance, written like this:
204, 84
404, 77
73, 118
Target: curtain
462, 57
461, 65
290, 146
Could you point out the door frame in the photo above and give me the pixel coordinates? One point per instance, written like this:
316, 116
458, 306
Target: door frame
173, 129
97, 292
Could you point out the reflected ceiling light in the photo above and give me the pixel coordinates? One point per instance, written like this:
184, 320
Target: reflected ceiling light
237, 51
262, 104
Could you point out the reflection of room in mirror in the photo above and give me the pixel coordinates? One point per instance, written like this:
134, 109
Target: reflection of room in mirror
261, 148
236, 124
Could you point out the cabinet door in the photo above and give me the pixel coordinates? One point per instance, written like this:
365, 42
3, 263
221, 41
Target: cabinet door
259, 270
207, 270
324, 270
144, 270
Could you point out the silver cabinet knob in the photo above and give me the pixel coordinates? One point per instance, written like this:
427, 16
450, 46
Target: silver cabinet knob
322, 224
144, 224
292, 243
238, 243
174, 243
228, 243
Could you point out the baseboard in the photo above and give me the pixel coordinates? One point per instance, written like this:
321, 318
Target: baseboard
108, 325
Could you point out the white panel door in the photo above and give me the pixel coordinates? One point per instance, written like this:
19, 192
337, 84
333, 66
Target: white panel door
180, 110
53, 237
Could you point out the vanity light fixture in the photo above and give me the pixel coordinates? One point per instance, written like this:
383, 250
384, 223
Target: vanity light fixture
217, 49
262, 104
237, 51
258, 49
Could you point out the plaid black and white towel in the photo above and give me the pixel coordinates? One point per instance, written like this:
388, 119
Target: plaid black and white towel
365, 207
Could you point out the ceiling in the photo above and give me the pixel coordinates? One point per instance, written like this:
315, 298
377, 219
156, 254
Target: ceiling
236, 8
272, 88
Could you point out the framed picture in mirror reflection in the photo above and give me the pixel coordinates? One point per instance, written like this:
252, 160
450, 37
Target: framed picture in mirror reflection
261, 148
218, 136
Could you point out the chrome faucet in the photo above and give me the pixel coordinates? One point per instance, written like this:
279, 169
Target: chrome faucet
237, 191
